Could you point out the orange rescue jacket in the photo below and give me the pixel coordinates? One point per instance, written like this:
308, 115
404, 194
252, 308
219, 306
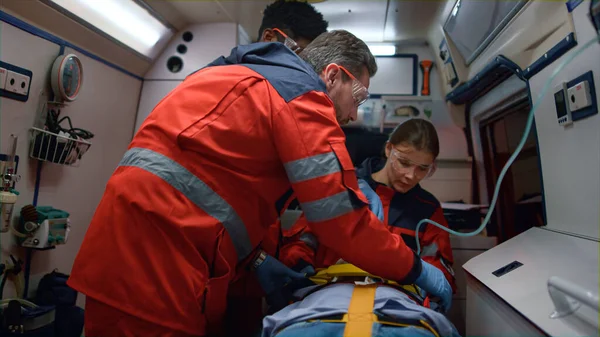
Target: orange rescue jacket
198, 187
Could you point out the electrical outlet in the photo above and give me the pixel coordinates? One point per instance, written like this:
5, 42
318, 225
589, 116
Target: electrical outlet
3, 73
17, 83
11, 81
580, 96
23, 86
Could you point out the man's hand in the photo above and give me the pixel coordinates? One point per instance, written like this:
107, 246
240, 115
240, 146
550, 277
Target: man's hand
274, 276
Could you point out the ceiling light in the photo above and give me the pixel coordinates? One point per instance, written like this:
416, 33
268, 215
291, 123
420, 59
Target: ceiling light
382, 49
124, 20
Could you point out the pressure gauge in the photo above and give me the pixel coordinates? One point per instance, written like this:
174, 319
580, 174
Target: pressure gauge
67, 77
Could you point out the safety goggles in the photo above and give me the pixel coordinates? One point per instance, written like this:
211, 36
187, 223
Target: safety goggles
288, 42
404, 165
359, 91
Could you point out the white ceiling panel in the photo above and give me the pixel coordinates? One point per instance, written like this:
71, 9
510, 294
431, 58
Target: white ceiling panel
248, 13
201, 11
365, 19
408, 20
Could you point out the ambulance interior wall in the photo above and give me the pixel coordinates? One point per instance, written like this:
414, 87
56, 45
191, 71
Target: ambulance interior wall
106, 106
571, 155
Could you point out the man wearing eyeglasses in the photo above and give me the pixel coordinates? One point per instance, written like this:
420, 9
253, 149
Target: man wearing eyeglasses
200, 183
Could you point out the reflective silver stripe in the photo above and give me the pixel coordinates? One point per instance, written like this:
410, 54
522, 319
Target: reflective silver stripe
310, 240
312, 167
430, 250
328, 208
195, 190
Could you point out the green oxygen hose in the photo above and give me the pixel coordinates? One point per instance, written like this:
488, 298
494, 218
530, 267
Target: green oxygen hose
514, 155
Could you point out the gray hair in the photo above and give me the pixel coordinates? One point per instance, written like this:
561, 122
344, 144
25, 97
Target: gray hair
340, 47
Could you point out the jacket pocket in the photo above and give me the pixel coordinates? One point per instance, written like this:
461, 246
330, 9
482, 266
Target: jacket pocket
214, 302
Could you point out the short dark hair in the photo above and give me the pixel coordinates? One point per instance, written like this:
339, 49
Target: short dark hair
298, 19
340, 47
418, 133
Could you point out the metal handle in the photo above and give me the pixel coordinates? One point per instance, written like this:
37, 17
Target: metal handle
13, 150
560, 290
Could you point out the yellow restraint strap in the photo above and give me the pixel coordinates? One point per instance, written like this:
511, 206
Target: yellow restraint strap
360, 316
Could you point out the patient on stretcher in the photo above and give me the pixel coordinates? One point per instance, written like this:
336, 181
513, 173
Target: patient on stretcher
347, 302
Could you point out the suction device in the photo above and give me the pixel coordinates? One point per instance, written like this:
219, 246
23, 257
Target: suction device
43, 227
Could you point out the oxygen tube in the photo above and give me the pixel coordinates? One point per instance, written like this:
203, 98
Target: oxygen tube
514, 155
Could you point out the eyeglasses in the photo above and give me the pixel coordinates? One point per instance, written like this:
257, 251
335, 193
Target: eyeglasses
402, 164
359, 91
288, 42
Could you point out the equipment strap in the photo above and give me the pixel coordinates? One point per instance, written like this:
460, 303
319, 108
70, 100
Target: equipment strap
360, 316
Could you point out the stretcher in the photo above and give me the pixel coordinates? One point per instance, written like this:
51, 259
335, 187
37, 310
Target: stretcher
360, 317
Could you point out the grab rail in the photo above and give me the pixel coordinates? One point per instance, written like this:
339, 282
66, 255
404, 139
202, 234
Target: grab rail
560, 290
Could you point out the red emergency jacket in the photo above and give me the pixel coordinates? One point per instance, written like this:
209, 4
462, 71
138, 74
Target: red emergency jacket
198, 187
403, 211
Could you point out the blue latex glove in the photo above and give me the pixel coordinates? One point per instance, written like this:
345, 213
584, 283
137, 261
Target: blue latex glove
274, 275
308, 270
433, 281
375, 204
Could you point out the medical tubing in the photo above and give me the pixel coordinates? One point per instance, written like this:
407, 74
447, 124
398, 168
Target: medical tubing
514, 155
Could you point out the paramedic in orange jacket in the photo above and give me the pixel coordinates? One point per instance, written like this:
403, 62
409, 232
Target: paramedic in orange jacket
197, 188
410, 153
